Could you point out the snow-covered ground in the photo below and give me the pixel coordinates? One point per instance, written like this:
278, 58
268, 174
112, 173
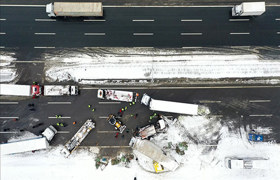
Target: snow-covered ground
203, 160
8, 70
93, 68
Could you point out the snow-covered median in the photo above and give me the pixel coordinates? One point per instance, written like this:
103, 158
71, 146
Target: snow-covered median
208, 144
85, 67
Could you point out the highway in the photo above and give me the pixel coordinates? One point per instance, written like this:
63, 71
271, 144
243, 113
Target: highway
176, 27
236, 108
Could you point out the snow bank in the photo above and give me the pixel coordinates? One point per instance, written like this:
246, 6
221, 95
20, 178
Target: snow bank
8, 70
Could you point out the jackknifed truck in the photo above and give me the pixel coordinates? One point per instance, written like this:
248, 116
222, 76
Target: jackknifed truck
60, 90
173, 107
115, 95
249, 9
77, 139
32, 144
74, 9
20, 90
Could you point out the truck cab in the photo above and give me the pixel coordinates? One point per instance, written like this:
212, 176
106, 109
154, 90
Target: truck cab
49, 133
49, 10
74, 90
36, 90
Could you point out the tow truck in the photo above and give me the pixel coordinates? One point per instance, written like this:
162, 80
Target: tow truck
115, 122
151, 129
76, 140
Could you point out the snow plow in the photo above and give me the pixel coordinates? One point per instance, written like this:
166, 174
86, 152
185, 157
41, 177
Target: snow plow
76, 140
115, 122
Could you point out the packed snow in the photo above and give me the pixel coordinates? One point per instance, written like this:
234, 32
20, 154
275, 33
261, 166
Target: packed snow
8, 71
209, 143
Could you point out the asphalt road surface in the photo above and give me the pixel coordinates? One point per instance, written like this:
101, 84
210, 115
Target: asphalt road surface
30, 27
234, 107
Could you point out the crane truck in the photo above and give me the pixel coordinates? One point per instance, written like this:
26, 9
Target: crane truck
173, 107
74, 9
76, 140
20, 90
38, 143
249, 9
60, 90
125, 96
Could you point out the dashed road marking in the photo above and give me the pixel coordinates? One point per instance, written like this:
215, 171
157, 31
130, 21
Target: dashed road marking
2, 47
260, 115
113, 146
109, 102
278, 32
194, 47
208, 101
42, 47
44, 33
191, 34
103, 117
259, 101
143, 20
8, 102
239, 19
9, 117
7, 132
94, 20
2, 33
107, 131
143, 34
277, 19
240, 33
94, 34
59, 102
60, 117
191, 20
63, 132
45, 20
215, 115
2, 19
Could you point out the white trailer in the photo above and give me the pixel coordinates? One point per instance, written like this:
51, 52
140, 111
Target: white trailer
249, 9
125, 96
19, 90
41, 142
154, 152
60, 90
169, 106
77, 139
74, 9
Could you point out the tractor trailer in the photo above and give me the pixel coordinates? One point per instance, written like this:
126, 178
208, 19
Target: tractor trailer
173, 107
38, 143
249, 9
74, 9
116, 95
20, 90
60, 90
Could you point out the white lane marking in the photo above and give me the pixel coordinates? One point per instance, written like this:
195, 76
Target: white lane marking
62, 132
261, 115
103, 117
143, 34
60, 117
191, 47
94, 20
8, 102
3, 19
215, 115
240, 46
59, 102
9, 117
94, 34
2, 47
259, 101
239, 19
143, 20
145, 47
109, 102
277, 19
278, 32
45, 20
2, 33
42, 47
112, 146
8, 132
107, 131
191, 34
44, 33
208, 101
240, 33
191, 20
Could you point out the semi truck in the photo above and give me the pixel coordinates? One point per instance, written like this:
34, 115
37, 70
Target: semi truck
125, 96
38, 143
77, 139
246, 163
249, 9
20, 90
173, 107
152, 129
60, 90
74, 9
154, 152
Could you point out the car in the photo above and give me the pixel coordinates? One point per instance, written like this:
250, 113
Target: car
255, 137
115, 122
